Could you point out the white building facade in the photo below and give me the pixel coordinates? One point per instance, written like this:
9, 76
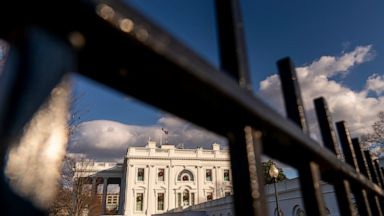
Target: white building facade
170, 181
289, 198
161, 179
154, 180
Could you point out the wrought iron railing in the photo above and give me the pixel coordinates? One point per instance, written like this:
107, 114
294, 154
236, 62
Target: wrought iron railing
110, 42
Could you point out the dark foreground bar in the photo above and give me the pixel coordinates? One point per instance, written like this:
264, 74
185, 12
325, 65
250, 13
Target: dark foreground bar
115, 45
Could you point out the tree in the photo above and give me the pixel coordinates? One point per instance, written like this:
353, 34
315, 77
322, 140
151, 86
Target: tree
75, 190
267, 178
375, 141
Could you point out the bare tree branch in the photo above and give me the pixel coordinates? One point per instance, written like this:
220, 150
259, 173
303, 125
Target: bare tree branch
374, 142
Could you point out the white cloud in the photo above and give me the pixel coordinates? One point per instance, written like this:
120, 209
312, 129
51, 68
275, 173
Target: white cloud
357, 108
109, 140
331, 65
376, 83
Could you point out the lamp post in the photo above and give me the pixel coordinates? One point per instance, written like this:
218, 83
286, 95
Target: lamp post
274, 173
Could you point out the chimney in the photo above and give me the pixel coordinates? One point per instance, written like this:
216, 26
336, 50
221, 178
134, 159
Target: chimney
151, 145
216, 147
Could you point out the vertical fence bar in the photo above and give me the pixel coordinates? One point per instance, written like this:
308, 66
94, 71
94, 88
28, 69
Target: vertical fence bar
379, 173
371, 167
328, 133
382, 171
350, 157
349, 154
232, 47
346, 143
233, 60
375, 200
241, 176
37, 62
253, 142
342, 186
309, 173
363, 165
361, 162
291, 91
36, 54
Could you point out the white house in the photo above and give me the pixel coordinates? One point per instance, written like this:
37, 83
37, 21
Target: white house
165, 180
155, 179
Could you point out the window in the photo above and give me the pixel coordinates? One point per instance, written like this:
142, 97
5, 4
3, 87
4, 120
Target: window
226, 175
227, 193
139, 202
185, 175
140, 174
160, 175
160, 201
208, 175
186, 198
178, 199
209, 196
185, 178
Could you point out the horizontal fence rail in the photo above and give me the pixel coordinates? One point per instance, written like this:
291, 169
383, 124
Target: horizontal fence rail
112, 43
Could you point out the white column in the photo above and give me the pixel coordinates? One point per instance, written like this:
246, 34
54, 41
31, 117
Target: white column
171, 194
200, 181
129, 193
216, 182
104, 196
94, 187
150, 205
121, 192
123, 183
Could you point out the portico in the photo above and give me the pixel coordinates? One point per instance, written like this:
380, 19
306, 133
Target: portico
100, 174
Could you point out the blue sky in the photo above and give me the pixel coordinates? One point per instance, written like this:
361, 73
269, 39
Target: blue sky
337, 47
274, 29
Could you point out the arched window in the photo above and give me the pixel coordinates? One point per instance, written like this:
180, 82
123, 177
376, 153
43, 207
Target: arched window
186, 198
160, 174
185, 175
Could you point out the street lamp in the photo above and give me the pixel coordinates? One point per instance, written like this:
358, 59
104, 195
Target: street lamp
274, 173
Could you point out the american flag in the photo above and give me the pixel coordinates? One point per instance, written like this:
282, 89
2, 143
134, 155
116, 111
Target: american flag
165, 131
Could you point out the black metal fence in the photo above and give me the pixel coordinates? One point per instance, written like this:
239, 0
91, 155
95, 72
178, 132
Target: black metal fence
110, 42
